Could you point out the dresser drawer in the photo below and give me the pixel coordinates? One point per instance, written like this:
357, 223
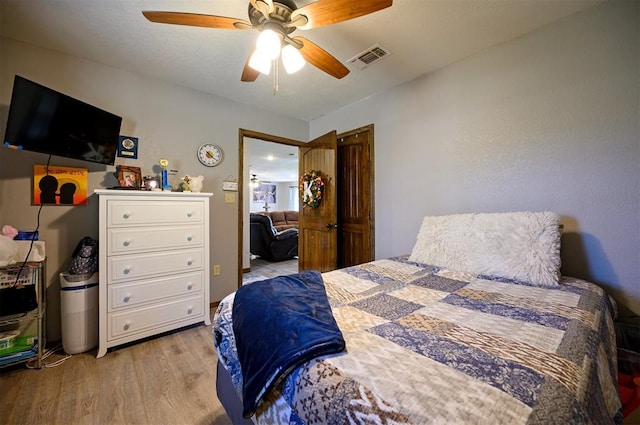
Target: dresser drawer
126, 213
136, 266
138, 320
126, 295
124, 240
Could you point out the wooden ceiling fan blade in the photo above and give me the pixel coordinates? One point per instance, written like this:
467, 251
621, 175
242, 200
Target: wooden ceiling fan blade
197, 20
249, 74
321, 59
327, 12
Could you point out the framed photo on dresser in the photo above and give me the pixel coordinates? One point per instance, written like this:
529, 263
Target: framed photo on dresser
129, 176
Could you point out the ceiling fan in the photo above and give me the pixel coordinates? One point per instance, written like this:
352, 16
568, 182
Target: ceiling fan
276, 20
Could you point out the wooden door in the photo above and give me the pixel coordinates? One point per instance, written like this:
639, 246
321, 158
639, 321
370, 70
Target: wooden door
355, 197
317, 238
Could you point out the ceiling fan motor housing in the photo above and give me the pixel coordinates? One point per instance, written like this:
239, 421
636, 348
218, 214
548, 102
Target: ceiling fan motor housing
280, 15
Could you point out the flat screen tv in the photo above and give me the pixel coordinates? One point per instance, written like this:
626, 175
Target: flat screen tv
44, 120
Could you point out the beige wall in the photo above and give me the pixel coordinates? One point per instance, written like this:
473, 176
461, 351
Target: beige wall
548, 121
170, 121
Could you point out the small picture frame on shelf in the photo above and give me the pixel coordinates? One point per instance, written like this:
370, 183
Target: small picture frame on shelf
130, 177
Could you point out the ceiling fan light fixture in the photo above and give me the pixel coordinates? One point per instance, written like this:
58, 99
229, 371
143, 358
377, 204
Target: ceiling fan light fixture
269, 43
276, 20
260, 62
292, 59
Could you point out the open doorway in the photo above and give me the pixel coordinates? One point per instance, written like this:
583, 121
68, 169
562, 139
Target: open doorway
268, 186
355, 195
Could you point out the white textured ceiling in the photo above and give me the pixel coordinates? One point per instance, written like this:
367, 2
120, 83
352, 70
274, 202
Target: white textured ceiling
272, 162
422, 36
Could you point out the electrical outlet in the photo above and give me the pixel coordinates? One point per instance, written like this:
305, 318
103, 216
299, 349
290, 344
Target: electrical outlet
216, 269
229, 198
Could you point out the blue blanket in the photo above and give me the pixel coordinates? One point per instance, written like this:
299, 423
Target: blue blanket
279, 324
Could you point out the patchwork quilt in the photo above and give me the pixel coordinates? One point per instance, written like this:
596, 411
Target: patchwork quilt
428, 345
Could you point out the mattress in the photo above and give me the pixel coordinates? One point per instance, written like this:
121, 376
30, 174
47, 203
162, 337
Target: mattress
428, 345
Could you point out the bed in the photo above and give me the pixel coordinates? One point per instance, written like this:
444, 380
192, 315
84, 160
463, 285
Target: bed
428, 343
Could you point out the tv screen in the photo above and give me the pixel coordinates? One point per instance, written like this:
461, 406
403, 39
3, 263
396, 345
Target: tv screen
44, 120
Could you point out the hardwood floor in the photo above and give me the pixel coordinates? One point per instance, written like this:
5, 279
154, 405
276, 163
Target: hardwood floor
269, 269
169, 380
165, 380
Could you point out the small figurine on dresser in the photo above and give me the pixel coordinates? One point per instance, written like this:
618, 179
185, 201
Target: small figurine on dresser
184, 185
149, 183
196, 183
191, 184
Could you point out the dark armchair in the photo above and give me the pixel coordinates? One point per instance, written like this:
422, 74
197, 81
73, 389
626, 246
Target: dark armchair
270, 244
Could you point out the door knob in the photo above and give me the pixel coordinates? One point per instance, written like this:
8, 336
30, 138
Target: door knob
332, 225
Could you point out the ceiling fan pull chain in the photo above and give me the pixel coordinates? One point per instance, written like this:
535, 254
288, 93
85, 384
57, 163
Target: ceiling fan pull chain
275, 77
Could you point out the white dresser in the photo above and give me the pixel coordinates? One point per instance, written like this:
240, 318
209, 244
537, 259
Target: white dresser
154, 263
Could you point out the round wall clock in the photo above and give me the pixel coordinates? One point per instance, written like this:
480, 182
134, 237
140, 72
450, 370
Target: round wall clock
210, 155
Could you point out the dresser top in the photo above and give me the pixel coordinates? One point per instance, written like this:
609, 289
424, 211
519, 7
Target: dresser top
150, 193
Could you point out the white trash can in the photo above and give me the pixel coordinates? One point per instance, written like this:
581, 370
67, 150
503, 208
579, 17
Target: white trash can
79, 311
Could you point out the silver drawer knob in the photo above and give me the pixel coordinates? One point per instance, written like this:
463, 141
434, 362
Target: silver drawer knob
189, 238
189, 262
190, 309
127, 242
190, 286
127, 270
127, 298
127, 325
189, 213
126, 215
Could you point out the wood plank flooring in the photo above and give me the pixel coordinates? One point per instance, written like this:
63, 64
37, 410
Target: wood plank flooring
164, 380
273, 269
169, 380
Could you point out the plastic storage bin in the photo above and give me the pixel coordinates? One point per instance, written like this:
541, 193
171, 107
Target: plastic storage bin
79, 311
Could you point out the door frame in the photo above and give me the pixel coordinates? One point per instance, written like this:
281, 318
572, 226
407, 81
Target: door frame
242, 134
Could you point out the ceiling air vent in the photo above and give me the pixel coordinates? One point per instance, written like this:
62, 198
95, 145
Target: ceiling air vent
369, 56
